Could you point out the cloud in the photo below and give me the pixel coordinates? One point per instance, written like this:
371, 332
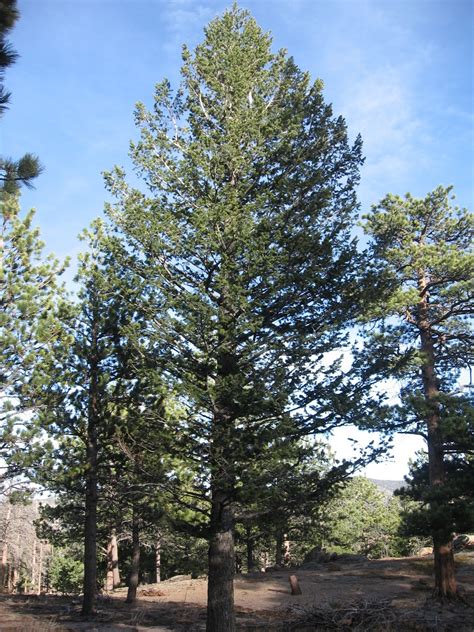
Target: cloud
377, 65
181, 18
381, 106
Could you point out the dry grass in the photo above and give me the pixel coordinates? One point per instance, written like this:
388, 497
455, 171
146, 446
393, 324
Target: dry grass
360, 615
50, 625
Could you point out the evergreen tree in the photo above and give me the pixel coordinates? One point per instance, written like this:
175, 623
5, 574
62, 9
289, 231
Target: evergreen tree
27, 285
94, 406
13, 173
78, 399
361, 519
456, 511
30, 311
244, 239
8, 16
284, 490
423, 248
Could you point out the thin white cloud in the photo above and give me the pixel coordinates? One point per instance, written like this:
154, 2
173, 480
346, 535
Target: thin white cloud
181, 18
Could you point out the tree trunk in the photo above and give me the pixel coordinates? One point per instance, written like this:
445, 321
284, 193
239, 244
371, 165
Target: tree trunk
220, 587
4, 567
238, 563
113, 573
135, 569
90, 538
4, 574
109, 578
279, 548
13, 576
286, 550
249, 547
90, 524
220, 596
158, 558
295, 585
33, 565
40, 568
445, 581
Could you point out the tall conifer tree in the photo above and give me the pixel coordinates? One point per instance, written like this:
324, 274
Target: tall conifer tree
423, 248
30, 304
244, 237
79, 400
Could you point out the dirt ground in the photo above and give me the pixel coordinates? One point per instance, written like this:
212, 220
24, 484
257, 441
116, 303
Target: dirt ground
389, 595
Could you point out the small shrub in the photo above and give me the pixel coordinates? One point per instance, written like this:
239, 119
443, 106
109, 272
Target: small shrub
66, 573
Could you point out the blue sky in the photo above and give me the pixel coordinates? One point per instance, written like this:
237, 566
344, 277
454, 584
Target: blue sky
399, 71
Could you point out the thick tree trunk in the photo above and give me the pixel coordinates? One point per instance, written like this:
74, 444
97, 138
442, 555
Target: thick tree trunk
90, 537
135, 569
113, 573
220, 596
445, 578
220, 591
445, 581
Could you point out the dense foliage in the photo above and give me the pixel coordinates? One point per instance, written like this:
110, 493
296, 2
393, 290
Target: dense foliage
65, 572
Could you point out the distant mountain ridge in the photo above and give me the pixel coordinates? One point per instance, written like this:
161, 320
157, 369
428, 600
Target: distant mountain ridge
388, 487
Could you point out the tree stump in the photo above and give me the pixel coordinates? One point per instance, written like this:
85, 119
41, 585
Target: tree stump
294, 585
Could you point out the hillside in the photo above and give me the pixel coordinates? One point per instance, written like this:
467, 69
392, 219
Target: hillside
387, 486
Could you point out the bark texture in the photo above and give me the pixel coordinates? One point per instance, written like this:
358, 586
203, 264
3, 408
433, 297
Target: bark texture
220, 603
135, 568
445, 579
113, 572
249, 549
158, 558
90, 530
294, 585
4, 562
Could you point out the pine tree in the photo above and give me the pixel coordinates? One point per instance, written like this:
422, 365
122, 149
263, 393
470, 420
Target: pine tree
27, 285
8, 16
78, 399
244, 239
361, 519
94, 403
13, 173
30, 311
423, 248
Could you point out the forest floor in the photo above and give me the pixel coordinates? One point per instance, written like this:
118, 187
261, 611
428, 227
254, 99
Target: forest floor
387, 595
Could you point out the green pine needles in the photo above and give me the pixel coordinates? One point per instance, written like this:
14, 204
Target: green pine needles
242, 233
